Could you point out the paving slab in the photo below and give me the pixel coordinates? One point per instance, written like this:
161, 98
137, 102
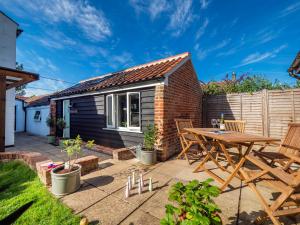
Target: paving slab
139, 217
86, 196
109, 211
155, 206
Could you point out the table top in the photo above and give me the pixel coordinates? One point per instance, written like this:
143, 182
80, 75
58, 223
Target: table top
230, 136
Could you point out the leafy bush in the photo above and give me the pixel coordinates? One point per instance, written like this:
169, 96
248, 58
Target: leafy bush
194, 204
90, 144
150, 136
60, 123
245, 83
73, 147
50, 121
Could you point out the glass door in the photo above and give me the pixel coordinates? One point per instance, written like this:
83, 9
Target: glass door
66, 115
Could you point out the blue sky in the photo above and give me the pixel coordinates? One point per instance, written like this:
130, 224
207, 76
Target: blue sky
72, 40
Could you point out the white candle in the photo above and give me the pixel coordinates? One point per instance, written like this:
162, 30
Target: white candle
142, 180
140, 187
133, 178
129, 182
127, 190
150, 184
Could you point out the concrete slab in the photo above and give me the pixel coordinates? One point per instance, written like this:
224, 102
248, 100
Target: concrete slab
86, 196
109, 211
140, 217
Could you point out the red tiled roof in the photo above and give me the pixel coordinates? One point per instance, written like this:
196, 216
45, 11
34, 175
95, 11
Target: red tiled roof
155, 70
21, 98
38, 100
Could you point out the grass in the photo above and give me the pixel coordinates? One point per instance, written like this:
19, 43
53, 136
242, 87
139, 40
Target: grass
20, 185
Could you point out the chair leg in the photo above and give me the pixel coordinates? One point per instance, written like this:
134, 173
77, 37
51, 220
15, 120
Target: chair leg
183, 152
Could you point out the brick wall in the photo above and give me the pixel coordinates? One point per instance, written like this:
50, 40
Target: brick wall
53, 115
180, 98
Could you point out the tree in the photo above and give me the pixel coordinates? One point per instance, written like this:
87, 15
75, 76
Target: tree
245, 83
21, 89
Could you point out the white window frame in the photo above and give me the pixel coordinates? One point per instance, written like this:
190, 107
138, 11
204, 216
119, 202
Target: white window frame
115, 112
128, 111
112, 111
39, 117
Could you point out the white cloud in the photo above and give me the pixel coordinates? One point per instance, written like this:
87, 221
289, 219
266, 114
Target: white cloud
204, 4
45, 67
45, 86
290, 9
202, 53
154, 7
36, 63
115, 62
267, 35
182, 17
53, 39
201, 29
257, 57
91, 21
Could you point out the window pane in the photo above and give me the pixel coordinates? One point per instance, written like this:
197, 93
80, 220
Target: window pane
122, 110
134, 103
109, 111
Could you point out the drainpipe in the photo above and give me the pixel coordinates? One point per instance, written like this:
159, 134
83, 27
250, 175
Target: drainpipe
25, 112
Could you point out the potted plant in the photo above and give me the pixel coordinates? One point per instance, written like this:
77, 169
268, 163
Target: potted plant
61, 124
66, 178
194, 204
50, 123
148, 152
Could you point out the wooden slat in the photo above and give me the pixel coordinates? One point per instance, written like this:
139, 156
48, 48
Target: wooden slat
266, 113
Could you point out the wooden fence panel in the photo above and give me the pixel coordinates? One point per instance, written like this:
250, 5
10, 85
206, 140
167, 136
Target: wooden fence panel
266, 112
252, 112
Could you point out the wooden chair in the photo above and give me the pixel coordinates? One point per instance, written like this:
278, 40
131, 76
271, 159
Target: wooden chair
290, 145
238, 126
286, 183
235, 125
186, 140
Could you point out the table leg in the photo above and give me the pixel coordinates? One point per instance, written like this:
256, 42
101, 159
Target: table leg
237, 168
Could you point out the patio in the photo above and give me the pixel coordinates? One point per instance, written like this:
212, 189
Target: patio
101, 196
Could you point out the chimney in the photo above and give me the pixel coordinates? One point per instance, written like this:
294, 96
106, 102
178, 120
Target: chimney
233, 76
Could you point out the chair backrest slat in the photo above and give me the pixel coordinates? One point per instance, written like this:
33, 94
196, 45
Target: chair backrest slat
183, 123
235, 125
291, 142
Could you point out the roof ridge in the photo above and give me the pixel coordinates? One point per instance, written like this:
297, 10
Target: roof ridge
151, 63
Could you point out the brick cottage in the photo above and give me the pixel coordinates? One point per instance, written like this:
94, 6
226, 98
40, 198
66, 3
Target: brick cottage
114, 109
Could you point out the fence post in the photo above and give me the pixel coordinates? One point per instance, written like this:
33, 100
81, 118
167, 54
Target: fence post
265, 111
293, 106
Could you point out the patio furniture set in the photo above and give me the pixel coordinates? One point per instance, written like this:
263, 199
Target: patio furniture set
278, 170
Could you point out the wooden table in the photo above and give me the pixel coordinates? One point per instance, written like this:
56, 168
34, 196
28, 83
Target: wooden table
221, 141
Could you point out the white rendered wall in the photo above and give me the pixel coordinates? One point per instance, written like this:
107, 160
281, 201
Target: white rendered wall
37, 127
8, 59
10, 117
20, 116
8, 31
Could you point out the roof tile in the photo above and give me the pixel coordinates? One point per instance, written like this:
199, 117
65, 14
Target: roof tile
145, 72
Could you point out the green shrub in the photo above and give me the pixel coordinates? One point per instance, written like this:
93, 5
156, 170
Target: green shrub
150, 136
245, 83
60, 123
193, 204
